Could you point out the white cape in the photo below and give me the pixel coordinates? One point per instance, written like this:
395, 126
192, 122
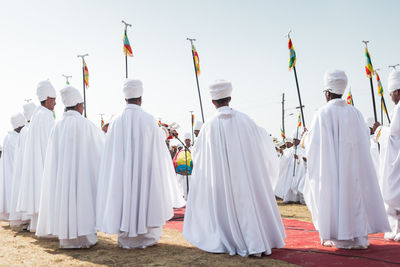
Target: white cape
68, 195
341, 188
231, 206
16, 180
7, 158
41, 123
137, 182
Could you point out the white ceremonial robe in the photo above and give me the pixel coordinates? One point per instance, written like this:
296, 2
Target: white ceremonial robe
17, 218
300, 175
7, 158
137, 182
286, 187
341, 188
375, 153
40, 126
231, 206
389, 172
69, 186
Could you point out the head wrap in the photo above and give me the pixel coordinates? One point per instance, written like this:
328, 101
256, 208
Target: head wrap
188, 136
44, 90
370, 122
335, 81
18, 120
220, 89
70, 96
197, 125
296, 134
29, 108
132, 88
394, 81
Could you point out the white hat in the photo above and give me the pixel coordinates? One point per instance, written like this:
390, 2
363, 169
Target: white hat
133, 88
220, 89
70, 96
335, 81
180, 145
188, 136
394, 81
370, 122
18, 120
289, 140
29, 108
197, 125
45, 89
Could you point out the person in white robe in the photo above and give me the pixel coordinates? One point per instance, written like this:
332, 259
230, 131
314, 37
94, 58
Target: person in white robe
69, 187
20, 221
389, 171
231, 206
37, 137
137, 183
289, 175
10, 143
184, 180
341, 188
197, 128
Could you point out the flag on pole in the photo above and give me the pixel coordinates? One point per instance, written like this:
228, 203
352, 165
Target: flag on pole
196, 60
283, 134
380, 88
192, 120
102, 122
350, 99
299, 121
85, 74
292, 55
127, 46
368, 64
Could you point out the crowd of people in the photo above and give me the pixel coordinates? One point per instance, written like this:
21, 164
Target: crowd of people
68, 179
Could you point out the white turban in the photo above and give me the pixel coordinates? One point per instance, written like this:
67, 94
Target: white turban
335, 81
394, 81
289, 140
296, 135
197, 125
29, 108
45, 89
188, 136
18, 120
220, 89
70, 96
370, 122
133, 88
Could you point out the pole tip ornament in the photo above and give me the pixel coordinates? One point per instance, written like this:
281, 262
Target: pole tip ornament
288, 34
82, 56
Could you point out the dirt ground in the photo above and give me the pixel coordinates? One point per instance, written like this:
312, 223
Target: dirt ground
23, 248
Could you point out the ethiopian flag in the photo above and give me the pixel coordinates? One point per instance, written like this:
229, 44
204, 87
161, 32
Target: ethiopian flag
368, 64
192, 120
292, 55
196, 60
380, 88
283, 134
85, 74
299, 121
127, 46
350, 99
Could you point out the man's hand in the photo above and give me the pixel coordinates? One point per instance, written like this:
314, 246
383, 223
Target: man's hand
296, 157
376, 125
305, 159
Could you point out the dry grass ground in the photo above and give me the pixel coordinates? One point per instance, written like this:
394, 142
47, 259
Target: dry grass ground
23, 248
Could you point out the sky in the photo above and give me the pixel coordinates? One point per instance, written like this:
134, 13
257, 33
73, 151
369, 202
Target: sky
240, 41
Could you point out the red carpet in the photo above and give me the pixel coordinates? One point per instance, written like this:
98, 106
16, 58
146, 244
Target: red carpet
304, 248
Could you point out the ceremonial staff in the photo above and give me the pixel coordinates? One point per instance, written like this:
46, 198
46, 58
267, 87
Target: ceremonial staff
67, 78
292, 63
196, 64
127, 47
192, 120
85, 76
295, 148
380, 92
283, 117
370, 71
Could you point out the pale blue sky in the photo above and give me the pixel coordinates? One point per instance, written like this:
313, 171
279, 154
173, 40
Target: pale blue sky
240, 41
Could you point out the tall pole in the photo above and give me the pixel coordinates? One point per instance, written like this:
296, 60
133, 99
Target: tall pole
67, 78
191, 121
295, 152
197, 78
126, 56
298, 93
84, 85
371, 84
384, 105
283, 113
